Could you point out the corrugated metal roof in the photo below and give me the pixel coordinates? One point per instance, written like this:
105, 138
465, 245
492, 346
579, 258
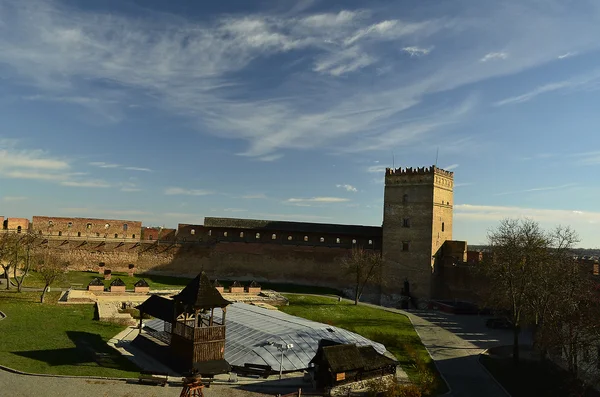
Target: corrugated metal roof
251, 328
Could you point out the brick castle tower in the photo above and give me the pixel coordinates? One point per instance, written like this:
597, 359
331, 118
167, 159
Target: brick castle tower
417, 220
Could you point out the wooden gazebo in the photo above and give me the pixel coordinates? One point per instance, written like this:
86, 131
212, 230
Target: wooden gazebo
197, 337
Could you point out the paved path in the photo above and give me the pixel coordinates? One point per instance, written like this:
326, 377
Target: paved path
455, 342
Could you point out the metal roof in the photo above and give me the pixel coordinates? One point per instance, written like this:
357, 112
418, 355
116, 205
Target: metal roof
251, 328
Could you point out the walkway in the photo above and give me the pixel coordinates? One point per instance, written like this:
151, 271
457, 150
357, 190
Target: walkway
455, 342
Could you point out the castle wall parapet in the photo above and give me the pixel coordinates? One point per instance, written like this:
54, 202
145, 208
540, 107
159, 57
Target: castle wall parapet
409, 171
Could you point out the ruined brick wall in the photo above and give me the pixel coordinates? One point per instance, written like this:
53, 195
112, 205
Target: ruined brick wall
17, 224
158, 233
109, 229
2, 226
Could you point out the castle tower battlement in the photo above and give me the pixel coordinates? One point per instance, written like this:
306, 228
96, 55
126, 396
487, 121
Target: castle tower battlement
417, 220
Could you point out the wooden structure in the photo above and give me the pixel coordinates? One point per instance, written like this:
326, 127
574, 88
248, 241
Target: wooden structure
141, 287
192, 387
254, 288
338, 364
117, 285
218, 286
96, 285
236, 288
196, 335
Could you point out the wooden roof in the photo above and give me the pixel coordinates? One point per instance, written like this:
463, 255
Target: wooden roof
349, 357
117, 283
141, 283
96, 281
158, 307
201, 294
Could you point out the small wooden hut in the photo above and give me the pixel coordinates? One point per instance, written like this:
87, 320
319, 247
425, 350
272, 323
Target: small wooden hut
218, 286
343, 364
141, 287
254, 288
117, 285
236, 288
96, 285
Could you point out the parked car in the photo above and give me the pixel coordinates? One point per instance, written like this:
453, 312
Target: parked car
499, 323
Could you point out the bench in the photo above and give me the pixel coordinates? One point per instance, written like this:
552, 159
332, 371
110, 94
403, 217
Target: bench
256, 369
156, 378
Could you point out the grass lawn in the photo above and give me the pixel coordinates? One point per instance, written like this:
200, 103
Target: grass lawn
534, 378
393, 330
33, 279
57, 339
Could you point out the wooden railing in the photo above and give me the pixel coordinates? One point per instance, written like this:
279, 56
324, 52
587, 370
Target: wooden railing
199, 334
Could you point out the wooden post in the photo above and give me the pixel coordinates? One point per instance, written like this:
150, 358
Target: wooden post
212, 313
224, 313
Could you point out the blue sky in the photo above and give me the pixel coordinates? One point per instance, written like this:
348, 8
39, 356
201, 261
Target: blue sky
167, 112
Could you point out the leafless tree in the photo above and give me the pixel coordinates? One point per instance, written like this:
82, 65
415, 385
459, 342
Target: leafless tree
23, 259
517, 249
364, 266
51, 268
9, 254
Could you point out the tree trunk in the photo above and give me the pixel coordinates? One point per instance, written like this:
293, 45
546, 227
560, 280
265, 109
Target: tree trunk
43, 293
516, 343
356, 296
7, 276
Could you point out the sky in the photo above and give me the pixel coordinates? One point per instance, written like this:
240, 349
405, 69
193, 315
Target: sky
167, 112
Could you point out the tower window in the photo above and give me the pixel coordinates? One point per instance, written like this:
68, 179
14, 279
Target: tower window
70, 224
289, 238
305, 238
88, 226
97, 234
273, 237
60, 233
257, 235
337, 240
442, 226
406, 222
405, 198
106, 226
224, 234
241, 234
116, 235
124, 227
78, 234
133, 236
370, 242
322, 239
210, 232
353, 241
50, 223
405, 245
193, 231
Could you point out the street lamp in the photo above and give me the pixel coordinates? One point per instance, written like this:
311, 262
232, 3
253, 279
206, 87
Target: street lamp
282, 348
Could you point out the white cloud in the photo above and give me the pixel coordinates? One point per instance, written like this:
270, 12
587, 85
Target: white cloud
14, 198
450, 167
348, 188
271, 157
492, 56
189, 192
104, 165
189, 67
377, 169
141, 169
291, 217
90, 183
496, 213
586, 81
234, 210
254, 196
30, 159
416, 51
318, 200
567, 55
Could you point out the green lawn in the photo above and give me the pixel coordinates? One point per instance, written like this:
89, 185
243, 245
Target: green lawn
33, 279
57, 339
393, 330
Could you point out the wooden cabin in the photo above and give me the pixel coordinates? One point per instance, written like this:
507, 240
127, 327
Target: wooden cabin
338, 364
117, 285
141, 287
96, 285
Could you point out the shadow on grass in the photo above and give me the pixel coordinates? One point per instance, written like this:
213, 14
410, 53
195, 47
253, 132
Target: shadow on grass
90, 350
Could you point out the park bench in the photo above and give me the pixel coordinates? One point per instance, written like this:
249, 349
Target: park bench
256, 369
157, 378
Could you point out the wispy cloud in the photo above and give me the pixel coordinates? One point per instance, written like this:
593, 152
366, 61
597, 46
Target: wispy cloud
102, 164
493, 56
587, 81
234, 210
291, 217
318, 200
89, 183
496, 213
188, 192
271, 157
379, 169
538, 189
567, 55
14, 198
254, 196
416, 51
451, 167
348, 188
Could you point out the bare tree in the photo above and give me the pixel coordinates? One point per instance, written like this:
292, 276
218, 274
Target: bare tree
23, 259
364, 266
9, 247
517, 248
51, 268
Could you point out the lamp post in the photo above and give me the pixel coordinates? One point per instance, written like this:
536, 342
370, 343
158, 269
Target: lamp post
282, 349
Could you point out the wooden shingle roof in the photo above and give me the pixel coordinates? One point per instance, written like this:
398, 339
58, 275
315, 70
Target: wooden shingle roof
349, 357
117, 283
201, 294
141, 283
158, 307
96, 281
